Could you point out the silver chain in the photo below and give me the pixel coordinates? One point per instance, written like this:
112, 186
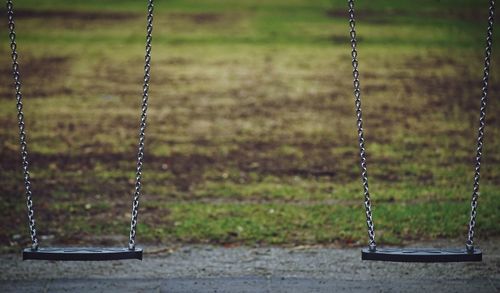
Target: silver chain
480, 139
361, 138
142, 128
20, 118
22, 132
482, 124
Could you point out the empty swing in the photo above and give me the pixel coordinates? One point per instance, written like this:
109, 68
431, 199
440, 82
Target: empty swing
80, 253
469, 252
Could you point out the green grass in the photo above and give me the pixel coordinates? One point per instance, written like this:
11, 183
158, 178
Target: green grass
251, 136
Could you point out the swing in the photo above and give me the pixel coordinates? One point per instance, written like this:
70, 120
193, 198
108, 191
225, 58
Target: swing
80, 253
469, 253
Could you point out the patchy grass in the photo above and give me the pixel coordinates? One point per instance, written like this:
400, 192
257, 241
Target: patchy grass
251, 135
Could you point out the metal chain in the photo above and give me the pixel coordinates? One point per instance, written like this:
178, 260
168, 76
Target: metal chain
362, 150
482, 124
22, 132
480, 139
142, 128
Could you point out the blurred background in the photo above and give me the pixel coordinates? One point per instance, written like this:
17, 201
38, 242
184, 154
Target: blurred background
252, 135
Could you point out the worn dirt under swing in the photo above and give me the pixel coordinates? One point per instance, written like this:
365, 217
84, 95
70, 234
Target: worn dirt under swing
81, 253
469, 252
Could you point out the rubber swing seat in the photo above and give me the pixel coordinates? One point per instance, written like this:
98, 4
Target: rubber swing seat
422, 254
82, 253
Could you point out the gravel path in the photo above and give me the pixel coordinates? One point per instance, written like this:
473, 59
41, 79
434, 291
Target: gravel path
243, 269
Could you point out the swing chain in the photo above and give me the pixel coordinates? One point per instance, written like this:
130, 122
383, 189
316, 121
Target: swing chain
142, 128
482, 124
362, 150
22, 132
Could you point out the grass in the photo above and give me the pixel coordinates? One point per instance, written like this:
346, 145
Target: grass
251, 136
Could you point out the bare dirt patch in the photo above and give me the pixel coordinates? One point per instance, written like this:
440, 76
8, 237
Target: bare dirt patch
186, 21
199, 17
76, 20
75, 15
387, 15
42, 76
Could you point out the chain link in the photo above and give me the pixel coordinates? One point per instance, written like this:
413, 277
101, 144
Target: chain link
142, 128
480, 139
22, 132
362, 151
482, 124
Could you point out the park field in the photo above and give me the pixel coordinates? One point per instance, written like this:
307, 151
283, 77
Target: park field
251, 133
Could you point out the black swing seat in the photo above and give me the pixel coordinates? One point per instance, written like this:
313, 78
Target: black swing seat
422, 254
82, 253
